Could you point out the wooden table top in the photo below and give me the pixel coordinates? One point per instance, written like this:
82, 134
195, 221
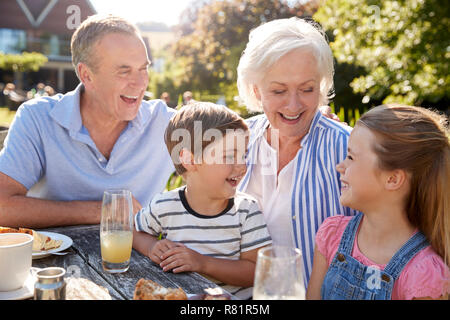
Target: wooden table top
84, 260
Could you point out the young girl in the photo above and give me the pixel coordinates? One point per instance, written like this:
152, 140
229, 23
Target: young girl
397, 173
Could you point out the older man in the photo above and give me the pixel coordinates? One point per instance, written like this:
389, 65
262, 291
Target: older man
62, 152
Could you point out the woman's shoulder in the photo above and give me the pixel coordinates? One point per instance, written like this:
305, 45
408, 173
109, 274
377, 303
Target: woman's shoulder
333, 126
425, 275
255, 122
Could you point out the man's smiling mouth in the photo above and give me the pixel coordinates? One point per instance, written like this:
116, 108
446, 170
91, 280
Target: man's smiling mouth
129, 99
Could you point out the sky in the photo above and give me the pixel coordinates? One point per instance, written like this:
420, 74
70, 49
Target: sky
167, 11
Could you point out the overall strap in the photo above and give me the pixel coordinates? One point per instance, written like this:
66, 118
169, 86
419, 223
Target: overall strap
401, 258
348, 238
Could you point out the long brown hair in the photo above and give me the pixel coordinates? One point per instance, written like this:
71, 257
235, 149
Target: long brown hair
417, 140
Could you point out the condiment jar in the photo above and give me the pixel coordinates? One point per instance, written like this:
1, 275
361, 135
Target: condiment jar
50, 284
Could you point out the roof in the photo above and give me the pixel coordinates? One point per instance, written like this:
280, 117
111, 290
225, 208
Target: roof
53, 16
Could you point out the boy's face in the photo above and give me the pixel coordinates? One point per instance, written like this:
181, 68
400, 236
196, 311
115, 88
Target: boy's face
223, 165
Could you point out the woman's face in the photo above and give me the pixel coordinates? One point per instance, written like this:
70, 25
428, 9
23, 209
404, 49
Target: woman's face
289, 93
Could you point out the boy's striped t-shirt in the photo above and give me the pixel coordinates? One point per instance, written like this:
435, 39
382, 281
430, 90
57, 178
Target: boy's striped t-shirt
238, 228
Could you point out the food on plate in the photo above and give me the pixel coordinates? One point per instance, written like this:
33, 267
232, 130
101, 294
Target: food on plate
150, 290
84, 289
8, 230
41, 242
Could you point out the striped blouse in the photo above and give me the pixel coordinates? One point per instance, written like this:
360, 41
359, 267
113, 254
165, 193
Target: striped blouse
316, 186
238, 228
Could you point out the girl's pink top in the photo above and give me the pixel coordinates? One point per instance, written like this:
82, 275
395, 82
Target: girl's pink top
425, 275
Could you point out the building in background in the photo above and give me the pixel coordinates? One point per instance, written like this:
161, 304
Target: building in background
44, 26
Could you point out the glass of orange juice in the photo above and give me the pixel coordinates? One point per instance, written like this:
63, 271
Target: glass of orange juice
116, 230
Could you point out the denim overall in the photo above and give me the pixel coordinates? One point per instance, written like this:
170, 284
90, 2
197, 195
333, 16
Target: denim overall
349, 279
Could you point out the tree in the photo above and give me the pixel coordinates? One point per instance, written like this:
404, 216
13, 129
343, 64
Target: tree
212, 42
27, 61
402, 46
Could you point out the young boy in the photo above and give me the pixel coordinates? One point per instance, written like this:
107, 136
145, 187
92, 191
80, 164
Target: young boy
206, 226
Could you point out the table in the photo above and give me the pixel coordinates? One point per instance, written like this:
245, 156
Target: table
84, 260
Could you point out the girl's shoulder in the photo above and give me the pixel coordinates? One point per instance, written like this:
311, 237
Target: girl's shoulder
426, 275
330, 233
334, 224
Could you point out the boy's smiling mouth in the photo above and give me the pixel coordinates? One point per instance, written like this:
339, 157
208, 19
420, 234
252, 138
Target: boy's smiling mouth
234, 180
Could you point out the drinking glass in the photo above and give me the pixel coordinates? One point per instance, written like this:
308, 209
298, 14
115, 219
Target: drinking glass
116, 230
279, 274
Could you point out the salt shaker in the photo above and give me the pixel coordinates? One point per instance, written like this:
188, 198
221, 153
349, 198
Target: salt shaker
50, 284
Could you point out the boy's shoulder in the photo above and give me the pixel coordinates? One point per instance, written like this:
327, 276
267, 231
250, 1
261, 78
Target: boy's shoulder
166, 198
243, 200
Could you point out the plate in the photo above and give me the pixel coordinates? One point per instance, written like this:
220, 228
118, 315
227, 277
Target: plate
26, 292
66, 243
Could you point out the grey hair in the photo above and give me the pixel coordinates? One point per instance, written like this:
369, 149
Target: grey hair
272, 40
91, 31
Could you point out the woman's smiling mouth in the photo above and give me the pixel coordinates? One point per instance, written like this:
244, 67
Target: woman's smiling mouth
290, 118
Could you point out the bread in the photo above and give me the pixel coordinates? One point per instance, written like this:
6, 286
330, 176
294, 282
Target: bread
150, 290
84, 289
8, 230
41, 242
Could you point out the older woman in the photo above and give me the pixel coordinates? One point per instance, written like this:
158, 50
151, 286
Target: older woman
287, 71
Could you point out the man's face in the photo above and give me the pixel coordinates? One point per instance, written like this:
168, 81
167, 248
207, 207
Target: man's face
119, 78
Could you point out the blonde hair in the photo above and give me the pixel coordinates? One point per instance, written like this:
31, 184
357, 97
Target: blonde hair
417, 140
271, 41
210, 116
91, 31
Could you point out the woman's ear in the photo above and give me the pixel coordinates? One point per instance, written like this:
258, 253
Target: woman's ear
256, 92
187, 159
396, 180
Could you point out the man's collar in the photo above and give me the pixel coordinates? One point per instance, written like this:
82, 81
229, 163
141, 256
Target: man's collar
67, 112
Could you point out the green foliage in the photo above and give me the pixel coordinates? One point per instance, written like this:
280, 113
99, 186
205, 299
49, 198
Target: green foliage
402, 46
214, 34
27, 61
6, 116
175, 181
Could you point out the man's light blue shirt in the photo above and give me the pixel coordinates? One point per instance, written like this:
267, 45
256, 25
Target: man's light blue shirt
50, 152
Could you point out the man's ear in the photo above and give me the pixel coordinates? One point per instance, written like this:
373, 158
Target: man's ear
85, 74
395, 180
187, 160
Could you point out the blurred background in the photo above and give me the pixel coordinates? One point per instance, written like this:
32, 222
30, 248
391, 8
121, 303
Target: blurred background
385, 51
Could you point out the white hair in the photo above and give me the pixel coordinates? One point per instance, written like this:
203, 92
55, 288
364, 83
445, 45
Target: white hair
272, 40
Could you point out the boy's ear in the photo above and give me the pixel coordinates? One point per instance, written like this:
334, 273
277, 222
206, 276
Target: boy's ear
187, 160
395, 180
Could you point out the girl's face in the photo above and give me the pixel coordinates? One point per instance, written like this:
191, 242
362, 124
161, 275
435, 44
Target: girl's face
289, 93
361, 179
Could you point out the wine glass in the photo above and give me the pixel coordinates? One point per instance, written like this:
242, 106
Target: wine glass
116, 230
279, 274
